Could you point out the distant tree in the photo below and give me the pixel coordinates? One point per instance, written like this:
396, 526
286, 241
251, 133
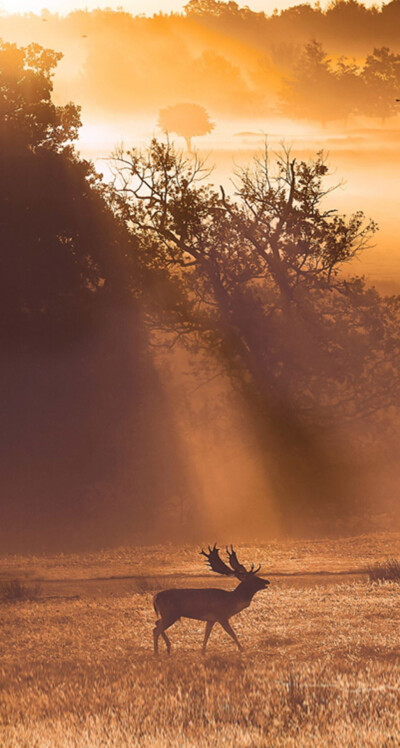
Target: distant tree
381, 79
318, 90
186, 120
210, 7
256, 279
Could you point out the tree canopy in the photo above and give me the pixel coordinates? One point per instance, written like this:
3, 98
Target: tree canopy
63, 252
257, 278
318, 89
187, 120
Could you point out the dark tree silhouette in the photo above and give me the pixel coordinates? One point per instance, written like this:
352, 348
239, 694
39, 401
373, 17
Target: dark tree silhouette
63, 252
257, 280
84, 440
186, 120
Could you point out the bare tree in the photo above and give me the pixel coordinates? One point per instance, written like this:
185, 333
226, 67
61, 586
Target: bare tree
256, 277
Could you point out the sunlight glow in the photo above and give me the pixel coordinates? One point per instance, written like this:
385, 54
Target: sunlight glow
145, 7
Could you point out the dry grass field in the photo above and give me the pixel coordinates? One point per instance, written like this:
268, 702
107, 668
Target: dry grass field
321, 665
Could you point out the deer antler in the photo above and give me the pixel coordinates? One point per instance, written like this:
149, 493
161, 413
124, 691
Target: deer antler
215, 562
238, 568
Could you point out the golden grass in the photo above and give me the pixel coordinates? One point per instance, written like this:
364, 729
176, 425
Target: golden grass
285, 556
321, 668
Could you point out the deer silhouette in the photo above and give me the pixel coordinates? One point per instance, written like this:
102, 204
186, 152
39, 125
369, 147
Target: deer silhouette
210, 605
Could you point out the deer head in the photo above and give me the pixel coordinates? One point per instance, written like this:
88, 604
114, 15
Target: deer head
235, 568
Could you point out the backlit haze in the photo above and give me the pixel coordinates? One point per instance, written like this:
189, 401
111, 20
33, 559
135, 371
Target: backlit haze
146, 7
123, 69
352, 147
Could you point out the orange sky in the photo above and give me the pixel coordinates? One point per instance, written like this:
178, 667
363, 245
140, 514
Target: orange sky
133, 6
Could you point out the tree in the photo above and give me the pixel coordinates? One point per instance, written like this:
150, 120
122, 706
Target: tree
187, 120
210, 7
81, 402
256, 279
63, 252
381, 78
318, 90
29, 118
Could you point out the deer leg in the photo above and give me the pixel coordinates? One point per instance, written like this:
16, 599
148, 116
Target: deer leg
167, 641
209, 627
157, 632
229, 630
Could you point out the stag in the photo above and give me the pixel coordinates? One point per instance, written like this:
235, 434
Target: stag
210, 605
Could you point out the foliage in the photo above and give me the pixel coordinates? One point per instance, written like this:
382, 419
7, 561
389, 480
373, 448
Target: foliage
211, 7
187, 120
62, 255
29, 118
381, 78
316, 90
319, 89
257, 279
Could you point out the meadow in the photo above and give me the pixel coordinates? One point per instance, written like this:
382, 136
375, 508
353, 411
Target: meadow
321, 665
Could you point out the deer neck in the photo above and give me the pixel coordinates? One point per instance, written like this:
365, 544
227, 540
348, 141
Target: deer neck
243, 592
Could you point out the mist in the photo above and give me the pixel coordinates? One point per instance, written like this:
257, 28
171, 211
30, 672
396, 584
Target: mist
147, 443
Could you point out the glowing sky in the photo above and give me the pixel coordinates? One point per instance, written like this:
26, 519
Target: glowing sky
148, 7
134, 6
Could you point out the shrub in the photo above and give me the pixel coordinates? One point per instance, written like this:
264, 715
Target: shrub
16, 591
148, 584
389, 571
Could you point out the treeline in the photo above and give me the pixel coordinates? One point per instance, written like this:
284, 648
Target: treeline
325, 90
231, 60
344, 26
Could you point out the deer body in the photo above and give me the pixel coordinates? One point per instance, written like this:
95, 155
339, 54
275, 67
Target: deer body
210, 605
